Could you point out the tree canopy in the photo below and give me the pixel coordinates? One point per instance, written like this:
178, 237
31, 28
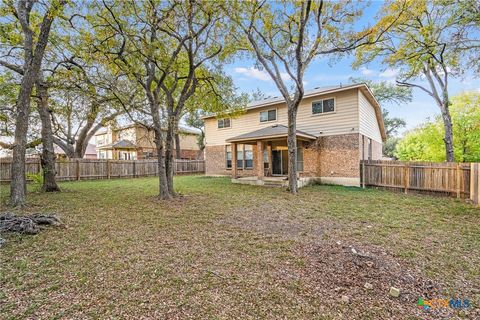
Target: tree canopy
425, 143
429, 42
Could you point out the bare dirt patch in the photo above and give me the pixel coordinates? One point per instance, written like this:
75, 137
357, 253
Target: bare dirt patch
356, 279
272, 221
351, 279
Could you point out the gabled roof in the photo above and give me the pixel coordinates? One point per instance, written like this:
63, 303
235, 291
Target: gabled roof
363, 87
120, 144
89, 150
275, 131
181, 129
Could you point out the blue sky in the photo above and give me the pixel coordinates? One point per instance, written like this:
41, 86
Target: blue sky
323, 72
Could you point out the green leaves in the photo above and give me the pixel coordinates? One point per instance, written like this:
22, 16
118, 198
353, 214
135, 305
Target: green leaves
422, 33
426, 142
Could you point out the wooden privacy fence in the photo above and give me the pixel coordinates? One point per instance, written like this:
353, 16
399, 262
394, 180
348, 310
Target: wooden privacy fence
461, 180
84, 169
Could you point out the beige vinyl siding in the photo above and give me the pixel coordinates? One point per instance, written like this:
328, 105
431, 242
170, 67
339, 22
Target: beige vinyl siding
188, 142
368, 119
126, 134
146, 139
343, 120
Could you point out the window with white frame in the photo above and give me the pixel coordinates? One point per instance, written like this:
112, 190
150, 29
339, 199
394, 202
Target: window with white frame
323, 106
148, 154
228, 150
224, 123
248, 152
299, 159
240, 156
266, 163
268, 115
244, 156
101, 140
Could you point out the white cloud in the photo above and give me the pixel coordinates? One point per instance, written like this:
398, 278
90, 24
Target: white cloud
389, 73
262, 75
366, 71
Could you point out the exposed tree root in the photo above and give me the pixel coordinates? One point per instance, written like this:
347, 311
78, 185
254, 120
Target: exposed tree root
30, 224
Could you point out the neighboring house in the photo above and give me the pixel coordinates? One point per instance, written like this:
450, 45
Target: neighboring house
134, 142
336, 128
90, 152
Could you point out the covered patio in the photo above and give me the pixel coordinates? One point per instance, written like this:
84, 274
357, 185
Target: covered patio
120, 150
270, 163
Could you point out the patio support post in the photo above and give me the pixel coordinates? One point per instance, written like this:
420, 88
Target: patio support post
234, 160
261, 172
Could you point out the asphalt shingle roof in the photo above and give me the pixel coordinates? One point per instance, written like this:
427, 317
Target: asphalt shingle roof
272, 131
120, 144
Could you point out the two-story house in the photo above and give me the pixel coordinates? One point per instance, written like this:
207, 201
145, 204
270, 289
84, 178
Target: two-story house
336, 128
134, 142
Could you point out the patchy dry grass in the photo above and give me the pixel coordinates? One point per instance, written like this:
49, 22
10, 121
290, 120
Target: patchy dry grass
234, 251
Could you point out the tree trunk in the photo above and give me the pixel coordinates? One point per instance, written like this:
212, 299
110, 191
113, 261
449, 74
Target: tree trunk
18, 185
292, 149
80, 148
448, 139
164, 192
169, 152
48, 152
67, 148
178, 150
31, 66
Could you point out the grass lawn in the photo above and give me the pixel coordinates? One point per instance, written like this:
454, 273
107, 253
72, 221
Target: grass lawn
237, 251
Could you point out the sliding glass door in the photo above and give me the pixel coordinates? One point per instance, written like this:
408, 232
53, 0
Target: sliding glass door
280, 161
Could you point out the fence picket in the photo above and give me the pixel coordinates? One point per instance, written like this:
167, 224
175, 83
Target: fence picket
455, 179
79, 169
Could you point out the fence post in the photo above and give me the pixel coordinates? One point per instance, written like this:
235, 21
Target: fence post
78, 169
134, 168
363, 174
475, 183
108, 169
458, 180
406, 177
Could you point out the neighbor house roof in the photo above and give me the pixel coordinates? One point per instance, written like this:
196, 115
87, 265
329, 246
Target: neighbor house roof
321, 91
275, 131
121, 144
182, 129
89, 150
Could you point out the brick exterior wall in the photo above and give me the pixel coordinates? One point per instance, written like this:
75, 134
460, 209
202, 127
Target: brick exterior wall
335, 156
310, 160
215, 160
190, 154
339, 156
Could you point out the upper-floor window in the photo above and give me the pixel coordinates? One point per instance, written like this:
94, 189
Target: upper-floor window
101, 139
224, 123
323, 106
268, 115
